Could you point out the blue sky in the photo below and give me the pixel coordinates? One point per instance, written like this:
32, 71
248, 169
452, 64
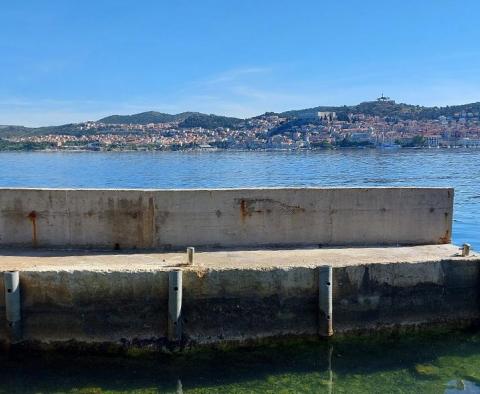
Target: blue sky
68, 61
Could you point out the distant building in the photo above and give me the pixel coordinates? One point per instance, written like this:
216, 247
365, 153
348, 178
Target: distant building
468, 142
384, 99
433, 140
206, 147
327, 115
361, 137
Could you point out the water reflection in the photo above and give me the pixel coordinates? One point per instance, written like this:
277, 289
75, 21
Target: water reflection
448, 363
462, 386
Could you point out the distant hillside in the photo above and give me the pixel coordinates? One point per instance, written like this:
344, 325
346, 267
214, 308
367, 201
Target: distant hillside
389, 109
186, 119
146, 117
13, 131
21, 131
297, 118
210, 121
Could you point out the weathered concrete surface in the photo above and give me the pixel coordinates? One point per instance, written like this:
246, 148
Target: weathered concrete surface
239, 295
173, 219
101, 261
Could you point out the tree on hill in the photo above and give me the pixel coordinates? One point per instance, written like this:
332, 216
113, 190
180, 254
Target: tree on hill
210, 121
343, 117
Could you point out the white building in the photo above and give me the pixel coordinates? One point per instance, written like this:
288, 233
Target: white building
327, 115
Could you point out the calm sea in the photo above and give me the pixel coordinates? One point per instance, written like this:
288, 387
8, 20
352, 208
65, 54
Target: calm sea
457, 168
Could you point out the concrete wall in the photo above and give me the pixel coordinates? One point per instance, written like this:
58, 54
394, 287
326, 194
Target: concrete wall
240, 305
173, 219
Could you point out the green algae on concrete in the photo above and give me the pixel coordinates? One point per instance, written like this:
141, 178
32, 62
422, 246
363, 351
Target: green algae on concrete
424, 363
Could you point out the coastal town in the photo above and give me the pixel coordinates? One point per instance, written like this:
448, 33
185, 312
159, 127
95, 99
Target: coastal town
271, 131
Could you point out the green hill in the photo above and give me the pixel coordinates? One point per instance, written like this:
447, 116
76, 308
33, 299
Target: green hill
210, 121
185, 119
21, 131
146, 117
389, 109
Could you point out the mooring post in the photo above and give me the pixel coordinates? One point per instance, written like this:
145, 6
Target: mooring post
466, 250
330, 369
175, 305
325, 303
13, 305
190, 255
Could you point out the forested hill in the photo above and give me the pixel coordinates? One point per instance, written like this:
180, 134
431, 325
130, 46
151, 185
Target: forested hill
185, 119
21, 131
146, 117
210, 121
389, 109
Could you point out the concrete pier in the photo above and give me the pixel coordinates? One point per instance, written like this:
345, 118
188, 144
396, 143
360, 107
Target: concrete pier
240, 295
100, 266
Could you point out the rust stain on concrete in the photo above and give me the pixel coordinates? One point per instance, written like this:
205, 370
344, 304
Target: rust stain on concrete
243, 209
33, 218
248, 207
445, 239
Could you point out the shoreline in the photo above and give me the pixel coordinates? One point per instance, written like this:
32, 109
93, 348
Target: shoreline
389, 150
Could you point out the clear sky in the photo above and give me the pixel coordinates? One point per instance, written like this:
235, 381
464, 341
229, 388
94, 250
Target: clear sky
74, 60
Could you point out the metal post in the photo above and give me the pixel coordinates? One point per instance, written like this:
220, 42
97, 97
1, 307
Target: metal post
466, 250
175, 305
330, 370
12, 305
325, 303
190, 254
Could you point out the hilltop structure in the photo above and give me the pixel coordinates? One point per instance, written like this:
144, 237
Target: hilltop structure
384, 99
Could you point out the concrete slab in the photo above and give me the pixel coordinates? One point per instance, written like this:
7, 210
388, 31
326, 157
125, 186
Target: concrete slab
82, 260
